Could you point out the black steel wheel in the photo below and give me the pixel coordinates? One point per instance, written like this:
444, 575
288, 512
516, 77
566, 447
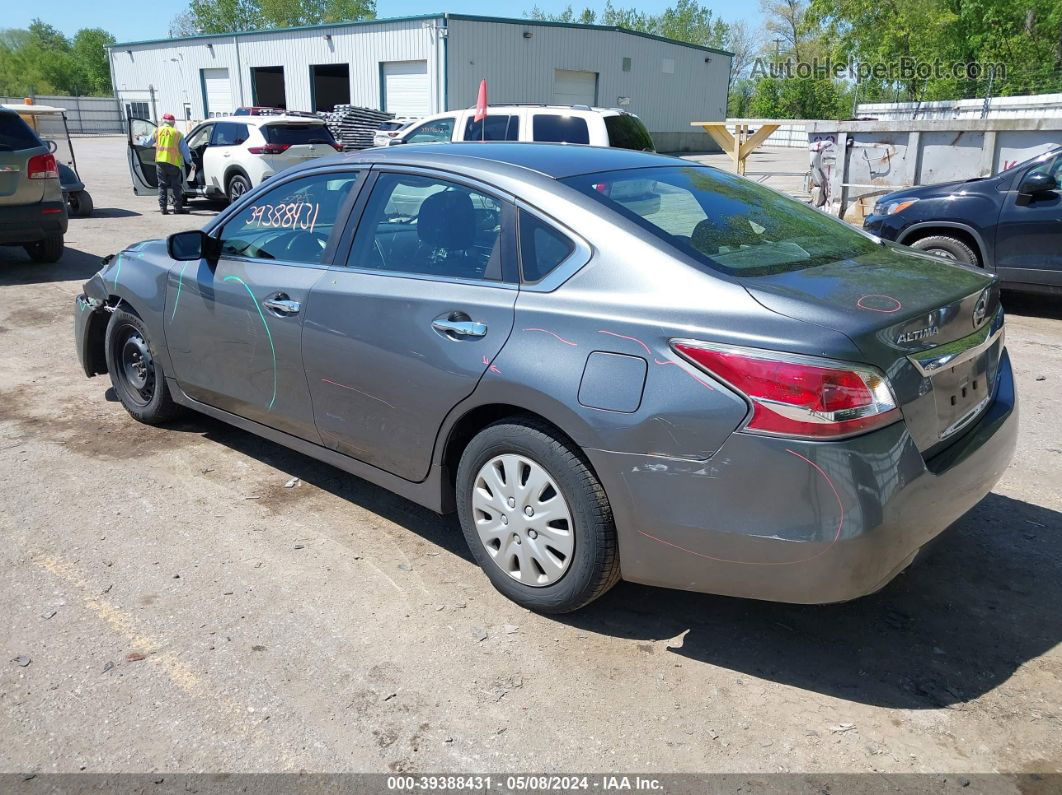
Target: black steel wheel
136, 375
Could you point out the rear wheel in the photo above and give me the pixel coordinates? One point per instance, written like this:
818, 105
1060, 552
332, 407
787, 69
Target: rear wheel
238, 185
136, 375
947, 247
48, 250
80, 204
536, 518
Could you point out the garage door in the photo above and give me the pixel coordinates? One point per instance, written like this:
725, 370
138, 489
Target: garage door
217, 92
574, 88
405, 87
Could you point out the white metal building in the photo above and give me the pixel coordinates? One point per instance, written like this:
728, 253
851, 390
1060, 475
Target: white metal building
427, 64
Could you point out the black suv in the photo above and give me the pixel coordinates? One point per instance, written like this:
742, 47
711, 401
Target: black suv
1010, 223
32, 209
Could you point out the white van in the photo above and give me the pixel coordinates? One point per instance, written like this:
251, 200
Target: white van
571, 124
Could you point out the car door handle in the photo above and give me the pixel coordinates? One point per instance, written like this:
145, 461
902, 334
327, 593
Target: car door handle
460, 328
282, 306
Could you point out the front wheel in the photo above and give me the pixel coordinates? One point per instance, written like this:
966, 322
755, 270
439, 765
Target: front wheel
136, 374
238, 185
536, 518
947, 247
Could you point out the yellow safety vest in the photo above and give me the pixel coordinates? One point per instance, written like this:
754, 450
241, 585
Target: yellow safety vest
167, 149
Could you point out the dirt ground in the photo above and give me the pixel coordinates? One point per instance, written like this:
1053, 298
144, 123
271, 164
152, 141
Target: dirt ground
170, 605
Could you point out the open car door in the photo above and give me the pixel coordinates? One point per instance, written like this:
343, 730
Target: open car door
142, 157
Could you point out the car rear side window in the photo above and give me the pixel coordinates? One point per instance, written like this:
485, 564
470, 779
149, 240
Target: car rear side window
15, 134
432, 131
627, 132
542, 247
291, 223
555, 128
295, 134
429, 226
229, 133
493, 128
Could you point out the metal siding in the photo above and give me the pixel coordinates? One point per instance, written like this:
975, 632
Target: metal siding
522, 70
363, 47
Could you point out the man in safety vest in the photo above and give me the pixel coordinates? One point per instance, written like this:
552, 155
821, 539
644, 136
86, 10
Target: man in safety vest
171, 153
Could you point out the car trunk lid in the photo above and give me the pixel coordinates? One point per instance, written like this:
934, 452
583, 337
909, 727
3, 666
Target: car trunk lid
933, 327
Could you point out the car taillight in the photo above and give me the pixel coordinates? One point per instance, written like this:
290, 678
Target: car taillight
337, 147
268, 149
796, 395
43, 167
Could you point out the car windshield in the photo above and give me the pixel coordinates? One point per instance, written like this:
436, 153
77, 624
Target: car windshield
15, 134
294, 134
724, 221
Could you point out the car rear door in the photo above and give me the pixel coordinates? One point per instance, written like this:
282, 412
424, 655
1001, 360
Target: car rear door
234, 326
411, 317
1029, 232
141, 157
224, 149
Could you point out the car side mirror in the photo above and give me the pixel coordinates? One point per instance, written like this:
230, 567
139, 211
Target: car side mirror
1038, 182
193, 245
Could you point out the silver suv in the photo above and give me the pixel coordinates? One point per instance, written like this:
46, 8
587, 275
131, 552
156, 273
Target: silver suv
32, 211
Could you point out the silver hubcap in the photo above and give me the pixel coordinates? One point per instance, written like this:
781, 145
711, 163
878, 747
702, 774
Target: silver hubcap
939, 252
523, 520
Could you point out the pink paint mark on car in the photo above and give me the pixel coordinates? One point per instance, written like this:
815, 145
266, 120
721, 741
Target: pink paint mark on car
879, 303
625, 337
823, 551
556, 336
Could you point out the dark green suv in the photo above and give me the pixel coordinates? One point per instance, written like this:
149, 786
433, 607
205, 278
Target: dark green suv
32, 210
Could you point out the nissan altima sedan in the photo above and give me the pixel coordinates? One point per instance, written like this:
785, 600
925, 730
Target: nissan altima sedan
611, 364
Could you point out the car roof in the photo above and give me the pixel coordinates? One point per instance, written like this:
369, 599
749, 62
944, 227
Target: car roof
258, 121
553, 160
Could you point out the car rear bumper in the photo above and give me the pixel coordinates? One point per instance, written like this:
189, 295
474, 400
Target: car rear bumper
28, 223
793, 521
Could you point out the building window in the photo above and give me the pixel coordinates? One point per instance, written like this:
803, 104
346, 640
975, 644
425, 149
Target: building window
626, 64
137, 110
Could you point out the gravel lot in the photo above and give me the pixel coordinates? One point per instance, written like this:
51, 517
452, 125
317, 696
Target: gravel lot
170, 605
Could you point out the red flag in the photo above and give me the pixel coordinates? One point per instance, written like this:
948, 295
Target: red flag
481, 102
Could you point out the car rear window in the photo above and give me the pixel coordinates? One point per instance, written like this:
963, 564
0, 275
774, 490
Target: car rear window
293, 134
15, 134
627, 132
493, 128
723, 221
555, 128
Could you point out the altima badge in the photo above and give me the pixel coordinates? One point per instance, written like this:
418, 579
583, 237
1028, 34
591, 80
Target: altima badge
919, 334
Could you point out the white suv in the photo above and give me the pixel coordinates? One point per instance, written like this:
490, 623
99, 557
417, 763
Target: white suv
571, 124
232, 154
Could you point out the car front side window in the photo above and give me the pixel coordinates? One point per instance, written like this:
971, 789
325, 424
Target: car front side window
425, 225
293, 222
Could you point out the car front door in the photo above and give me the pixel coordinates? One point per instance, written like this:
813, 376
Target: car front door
198, 141
234, 326
1029, 233
407, 323
141, 157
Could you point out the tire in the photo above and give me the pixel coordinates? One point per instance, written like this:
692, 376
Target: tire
579, 566
80, 204
136, 374
947, 247
238, 185
46, 251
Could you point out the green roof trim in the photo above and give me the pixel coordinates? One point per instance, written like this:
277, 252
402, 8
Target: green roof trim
419, 17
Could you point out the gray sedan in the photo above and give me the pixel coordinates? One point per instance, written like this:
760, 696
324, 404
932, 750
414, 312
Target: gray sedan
611, 364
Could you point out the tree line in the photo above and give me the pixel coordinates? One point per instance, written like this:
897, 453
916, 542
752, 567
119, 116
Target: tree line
1015, 47
41, 60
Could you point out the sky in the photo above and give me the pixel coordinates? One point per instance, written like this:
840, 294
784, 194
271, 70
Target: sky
134, 21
